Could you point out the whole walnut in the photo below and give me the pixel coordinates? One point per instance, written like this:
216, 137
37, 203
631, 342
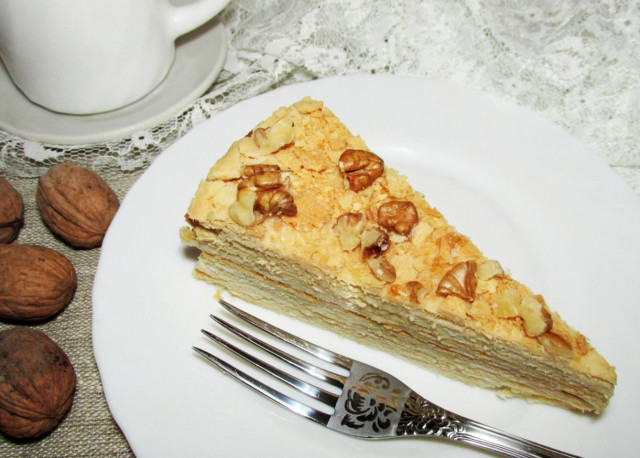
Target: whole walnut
37, 383
76, 204
11, 212
35, 282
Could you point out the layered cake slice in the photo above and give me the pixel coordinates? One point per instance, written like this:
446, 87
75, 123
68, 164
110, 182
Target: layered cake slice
301, 217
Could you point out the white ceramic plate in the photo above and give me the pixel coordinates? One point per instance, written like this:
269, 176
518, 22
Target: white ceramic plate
526, 192
199, 58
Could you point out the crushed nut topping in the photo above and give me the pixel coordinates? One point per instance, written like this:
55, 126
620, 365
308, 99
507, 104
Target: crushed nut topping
360, 168
264, 180
349, 228
260, 136
274, 138
241, 211
489, 269
374, 243
413, 290
276, 202
460, 281
416, 291
556, 345
537, 319
256, 169
262, 192
398, 215
382, 269
506, 304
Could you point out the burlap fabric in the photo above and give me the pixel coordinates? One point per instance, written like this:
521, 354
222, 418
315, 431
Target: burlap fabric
576, 63
88, 429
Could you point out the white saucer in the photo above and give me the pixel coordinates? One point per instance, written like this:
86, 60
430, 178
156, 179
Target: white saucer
200, 56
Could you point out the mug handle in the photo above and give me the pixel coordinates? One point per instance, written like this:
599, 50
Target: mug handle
183, 19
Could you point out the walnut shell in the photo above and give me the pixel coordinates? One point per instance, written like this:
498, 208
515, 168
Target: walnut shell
11, 212
76, 204
35, 282
37, 383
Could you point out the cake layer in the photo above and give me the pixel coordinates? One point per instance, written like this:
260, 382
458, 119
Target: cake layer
441, 345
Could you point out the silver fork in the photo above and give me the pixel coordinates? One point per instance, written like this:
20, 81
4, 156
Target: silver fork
371, 405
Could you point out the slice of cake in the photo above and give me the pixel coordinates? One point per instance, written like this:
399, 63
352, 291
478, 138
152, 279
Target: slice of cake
301, 217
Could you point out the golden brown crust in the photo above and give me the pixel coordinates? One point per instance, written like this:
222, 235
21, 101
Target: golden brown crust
306, 141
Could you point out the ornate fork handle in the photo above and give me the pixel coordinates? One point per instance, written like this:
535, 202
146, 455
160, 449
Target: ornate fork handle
422, 418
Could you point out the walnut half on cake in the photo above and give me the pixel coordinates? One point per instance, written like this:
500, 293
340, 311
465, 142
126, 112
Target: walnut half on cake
301, 217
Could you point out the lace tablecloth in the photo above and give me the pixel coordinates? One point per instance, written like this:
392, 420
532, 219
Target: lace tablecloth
574, 62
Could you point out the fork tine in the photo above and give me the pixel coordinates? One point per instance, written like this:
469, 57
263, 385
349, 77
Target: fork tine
266, 390
317, 372
300, 385
322, 353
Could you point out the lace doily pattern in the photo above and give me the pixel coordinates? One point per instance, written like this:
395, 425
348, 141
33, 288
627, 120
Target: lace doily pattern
574, 62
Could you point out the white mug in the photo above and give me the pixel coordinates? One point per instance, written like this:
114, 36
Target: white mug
92, 56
